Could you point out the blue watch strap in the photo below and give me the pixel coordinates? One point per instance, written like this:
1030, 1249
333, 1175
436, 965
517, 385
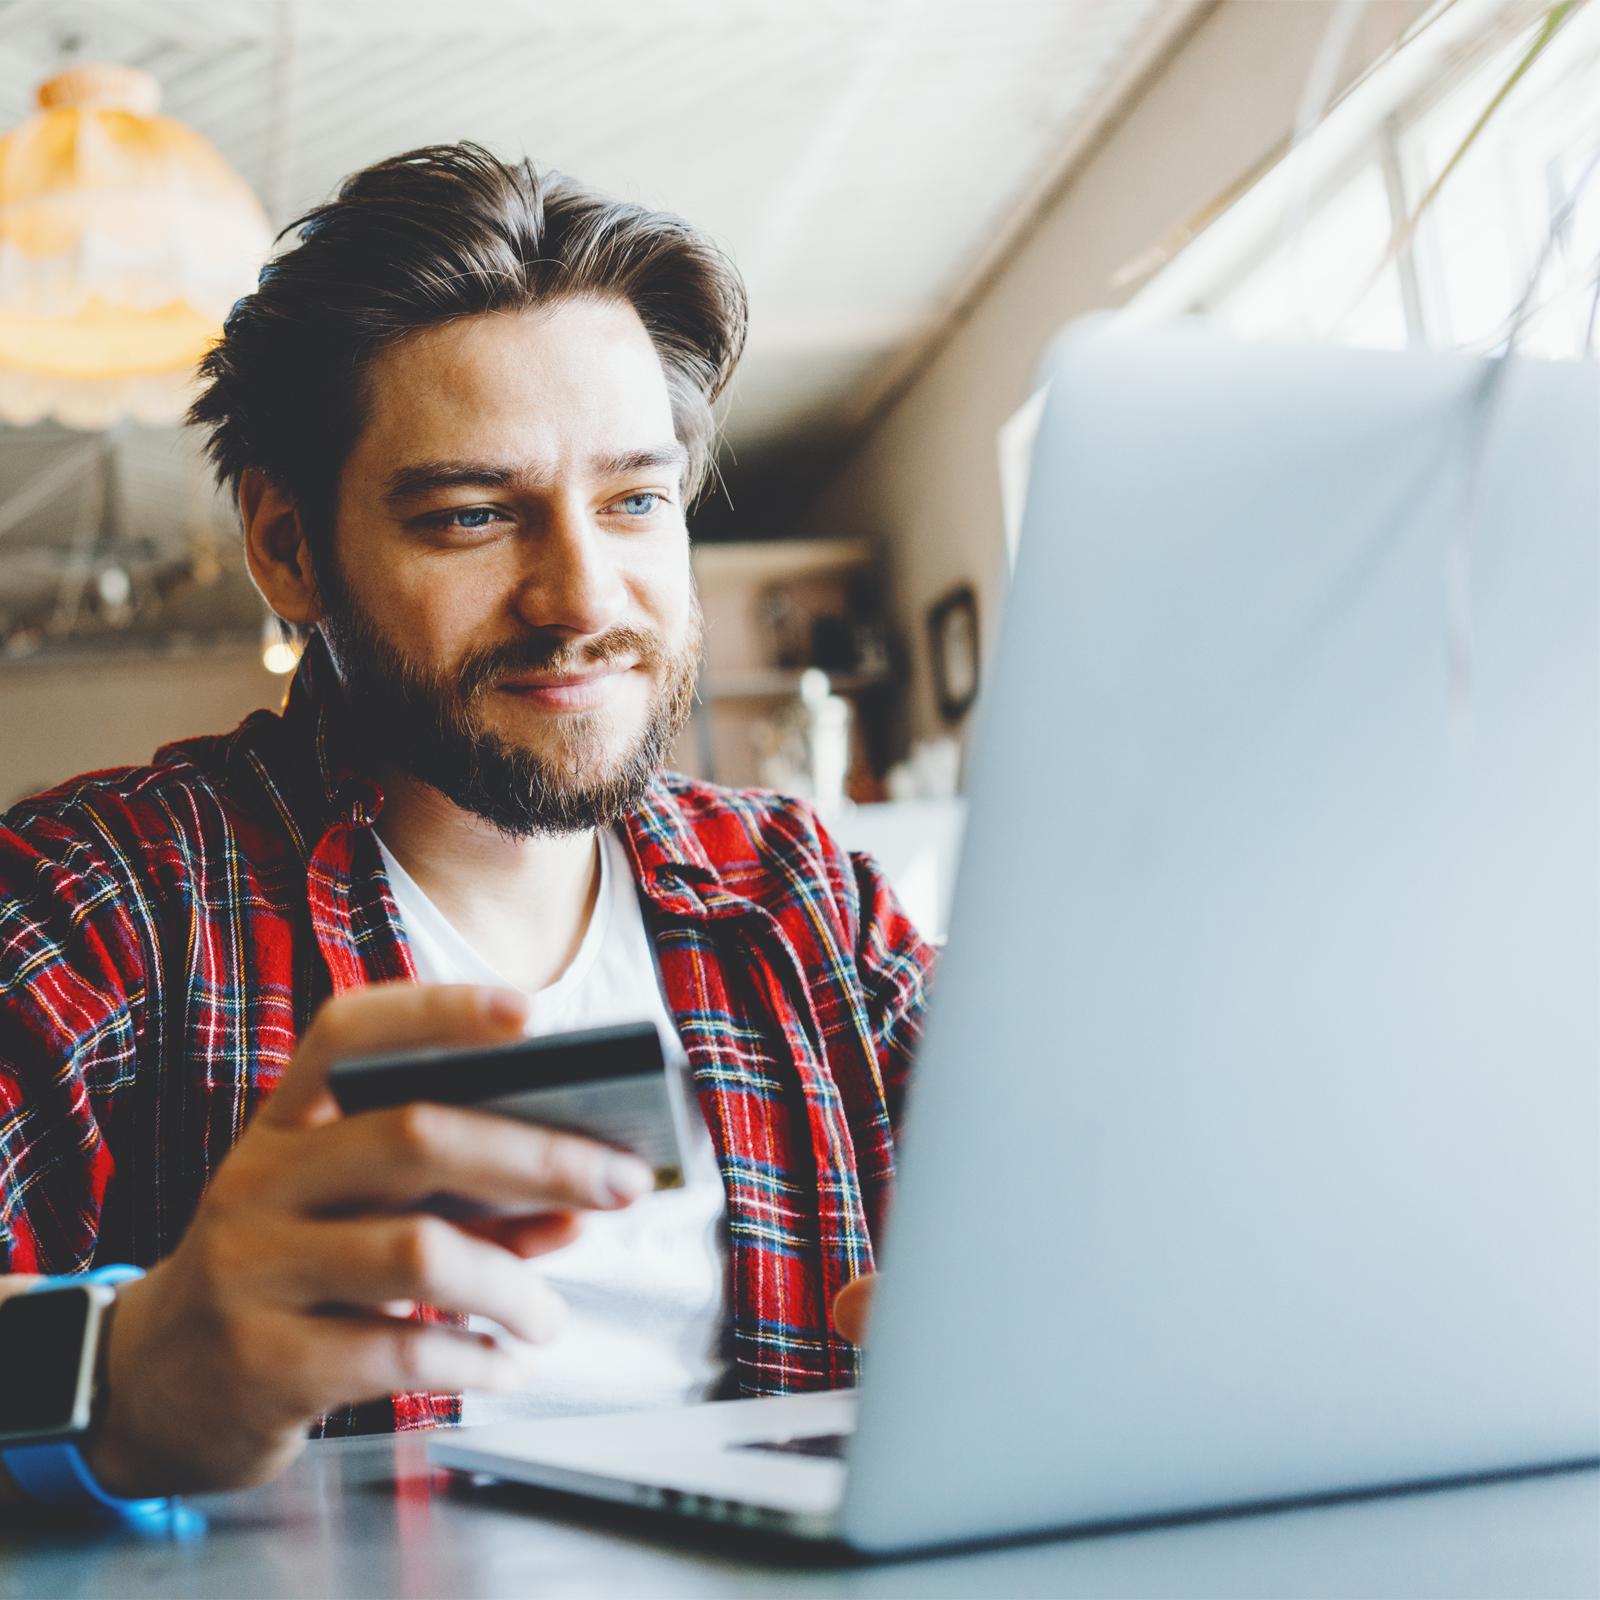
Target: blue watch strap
54, 1473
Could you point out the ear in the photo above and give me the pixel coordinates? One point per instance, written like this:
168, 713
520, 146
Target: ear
275, 549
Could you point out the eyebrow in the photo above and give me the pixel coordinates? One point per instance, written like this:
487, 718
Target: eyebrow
428, 477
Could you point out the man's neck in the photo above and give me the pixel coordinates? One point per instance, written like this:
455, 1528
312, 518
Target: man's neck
522, 903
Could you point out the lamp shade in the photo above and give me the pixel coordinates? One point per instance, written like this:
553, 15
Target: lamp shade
124, 239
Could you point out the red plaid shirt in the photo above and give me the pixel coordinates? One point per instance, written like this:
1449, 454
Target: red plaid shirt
166, 933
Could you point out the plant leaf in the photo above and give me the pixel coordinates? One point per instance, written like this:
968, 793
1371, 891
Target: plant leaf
1555, 19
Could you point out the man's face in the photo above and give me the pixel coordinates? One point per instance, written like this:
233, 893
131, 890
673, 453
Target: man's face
510, 604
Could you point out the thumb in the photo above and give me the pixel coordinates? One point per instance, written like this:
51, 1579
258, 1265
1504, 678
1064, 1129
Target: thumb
384, 1018
852, 1308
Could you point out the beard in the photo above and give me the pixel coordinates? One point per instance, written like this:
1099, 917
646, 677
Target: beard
430, 723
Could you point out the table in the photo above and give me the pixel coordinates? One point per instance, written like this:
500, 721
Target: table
367, 1517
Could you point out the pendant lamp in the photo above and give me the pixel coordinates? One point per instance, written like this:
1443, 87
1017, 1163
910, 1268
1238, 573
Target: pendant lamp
124, 239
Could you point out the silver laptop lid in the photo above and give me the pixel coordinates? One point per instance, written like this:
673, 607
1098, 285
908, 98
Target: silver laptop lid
1253, 1148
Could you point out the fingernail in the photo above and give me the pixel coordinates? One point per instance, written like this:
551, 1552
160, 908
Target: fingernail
626, 1178
504, 1005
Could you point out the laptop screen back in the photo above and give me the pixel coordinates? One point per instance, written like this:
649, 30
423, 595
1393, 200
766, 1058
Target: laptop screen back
1252, 1151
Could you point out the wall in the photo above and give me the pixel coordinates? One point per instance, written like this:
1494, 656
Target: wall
926, 479
56, 721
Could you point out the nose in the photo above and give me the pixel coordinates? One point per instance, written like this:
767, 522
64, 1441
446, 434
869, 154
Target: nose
570, 581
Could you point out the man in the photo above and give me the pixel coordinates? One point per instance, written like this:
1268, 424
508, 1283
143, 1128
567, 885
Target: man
462, 419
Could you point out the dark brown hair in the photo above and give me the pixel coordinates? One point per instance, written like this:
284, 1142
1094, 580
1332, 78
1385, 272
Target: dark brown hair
443, 232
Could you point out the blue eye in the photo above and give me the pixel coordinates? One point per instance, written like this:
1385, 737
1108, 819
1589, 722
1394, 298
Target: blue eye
640, 505
472, 517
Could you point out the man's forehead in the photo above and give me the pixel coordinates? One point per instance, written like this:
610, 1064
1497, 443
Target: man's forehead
564, 385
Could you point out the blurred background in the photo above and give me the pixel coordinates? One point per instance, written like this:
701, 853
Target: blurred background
920, 194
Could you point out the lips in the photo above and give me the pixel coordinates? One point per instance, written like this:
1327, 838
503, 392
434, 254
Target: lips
567, 690
562, 680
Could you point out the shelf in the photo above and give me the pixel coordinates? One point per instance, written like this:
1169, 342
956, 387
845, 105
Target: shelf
758, 561
778, 683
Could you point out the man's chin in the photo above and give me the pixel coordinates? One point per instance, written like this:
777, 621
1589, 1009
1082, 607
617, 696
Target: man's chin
524, 791
587, 744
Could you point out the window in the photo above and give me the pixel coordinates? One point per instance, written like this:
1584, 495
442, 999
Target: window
1480, 244
1328, 277
1518, 216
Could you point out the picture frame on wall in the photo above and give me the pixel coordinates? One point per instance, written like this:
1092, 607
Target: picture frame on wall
953, 638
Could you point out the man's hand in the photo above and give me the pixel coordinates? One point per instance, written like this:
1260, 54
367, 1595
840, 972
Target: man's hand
290, 1293
852, 1307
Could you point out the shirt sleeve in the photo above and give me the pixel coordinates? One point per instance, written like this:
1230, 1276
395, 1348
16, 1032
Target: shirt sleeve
65, 1032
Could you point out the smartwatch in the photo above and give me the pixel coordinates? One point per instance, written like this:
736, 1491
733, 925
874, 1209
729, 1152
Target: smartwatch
50, 1358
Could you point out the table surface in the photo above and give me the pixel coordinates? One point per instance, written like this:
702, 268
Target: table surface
368, 1517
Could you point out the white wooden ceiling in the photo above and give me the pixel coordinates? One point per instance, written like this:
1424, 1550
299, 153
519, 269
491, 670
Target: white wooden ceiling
863, 160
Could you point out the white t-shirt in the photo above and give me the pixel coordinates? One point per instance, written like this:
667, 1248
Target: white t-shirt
646, 1288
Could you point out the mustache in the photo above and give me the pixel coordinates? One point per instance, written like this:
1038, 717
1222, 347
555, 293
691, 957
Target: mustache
482, 670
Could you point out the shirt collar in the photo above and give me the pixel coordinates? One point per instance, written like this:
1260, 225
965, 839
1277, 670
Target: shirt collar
315, 715
670, 863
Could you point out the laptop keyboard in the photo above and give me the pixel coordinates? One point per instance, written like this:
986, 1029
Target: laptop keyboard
830, 1446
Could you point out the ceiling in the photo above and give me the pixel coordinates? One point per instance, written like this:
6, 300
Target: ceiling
865, 162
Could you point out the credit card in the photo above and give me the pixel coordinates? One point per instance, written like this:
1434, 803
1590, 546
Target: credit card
609, 1084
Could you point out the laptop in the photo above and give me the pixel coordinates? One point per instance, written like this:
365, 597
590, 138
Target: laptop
1252, 1146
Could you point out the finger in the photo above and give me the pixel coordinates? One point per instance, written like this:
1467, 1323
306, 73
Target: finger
410, 1154
527, 1236
389, 1017
372, 1260
852, 1308
351, 1359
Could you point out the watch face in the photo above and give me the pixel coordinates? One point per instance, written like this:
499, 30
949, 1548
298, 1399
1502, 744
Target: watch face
43, 1356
